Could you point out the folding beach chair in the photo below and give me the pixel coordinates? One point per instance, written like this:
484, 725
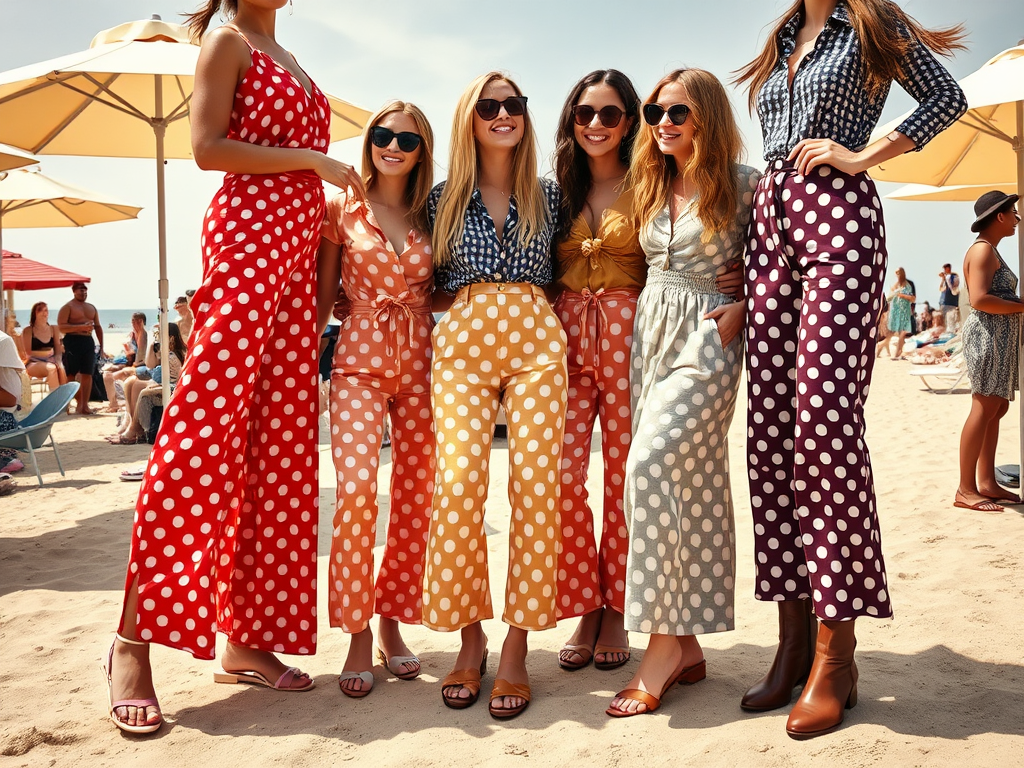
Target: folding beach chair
955, 371
33, 431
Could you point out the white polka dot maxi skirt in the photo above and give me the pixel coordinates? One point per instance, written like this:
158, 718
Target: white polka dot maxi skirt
815, 263
680, 575
498, 343
225, 532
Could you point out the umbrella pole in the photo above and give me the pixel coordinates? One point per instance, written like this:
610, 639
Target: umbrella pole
1018, 148
160, 128
3, 307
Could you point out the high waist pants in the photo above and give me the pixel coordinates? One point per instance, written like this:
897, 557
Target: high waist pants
499, 343
815, 264
599, 328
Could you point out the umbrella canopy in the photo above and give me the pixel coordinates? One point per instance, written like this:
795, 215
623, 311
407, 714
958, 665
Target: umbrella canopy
964, 193
21, 274
14, 158
127, 96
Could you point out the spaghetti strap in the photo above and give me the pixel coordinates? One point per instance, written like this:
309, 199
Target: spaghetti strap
229, 25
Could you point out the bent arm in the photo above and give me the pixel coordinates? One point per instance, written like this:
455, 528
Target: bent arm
328, 275
980, 265
7, 399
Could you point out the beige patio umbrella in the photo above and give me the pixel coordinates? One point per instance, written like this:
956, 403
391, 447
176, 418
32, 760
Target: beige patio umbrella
29, 198
11, 158
128, 95
963, 193
985, 147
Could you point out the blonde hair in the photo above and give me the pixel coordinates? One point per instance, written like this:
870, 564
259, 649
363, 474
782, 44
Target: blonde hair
716, 149
421, 180
450, 220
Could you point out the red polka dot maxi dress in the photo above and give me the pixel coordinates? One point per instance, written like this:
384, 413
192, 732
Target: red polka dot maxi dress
225, 530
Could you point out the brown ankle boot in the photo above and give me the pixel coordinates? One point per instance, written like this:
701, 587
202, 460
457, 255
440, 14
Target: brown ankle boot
832, 685
797, 632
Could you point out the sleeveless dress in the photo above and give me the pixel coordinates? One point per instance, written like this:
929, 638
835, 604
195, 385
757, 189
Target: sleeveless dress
225, 532
991, 342
899, 311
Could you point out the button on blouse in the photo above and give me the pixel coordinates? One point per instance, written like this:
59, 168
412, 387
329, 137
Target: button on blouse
480, 258
828, 100
609, 258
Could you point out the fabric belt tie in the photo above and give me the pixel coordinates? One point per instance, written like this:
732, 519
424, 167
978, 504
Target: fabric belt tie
593, 320
387, 312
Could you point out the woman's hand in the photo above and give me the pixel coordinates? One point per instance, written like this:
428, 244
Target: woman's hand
339, 174
729, 279
810, 153
730, 319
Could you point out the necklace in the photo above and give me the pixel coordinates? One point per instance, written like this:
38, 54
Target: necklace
500, 191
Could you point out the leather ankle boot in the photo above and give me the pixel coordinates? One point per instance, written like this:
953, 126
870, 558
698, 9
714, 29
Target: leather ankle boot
832, 685
797, 632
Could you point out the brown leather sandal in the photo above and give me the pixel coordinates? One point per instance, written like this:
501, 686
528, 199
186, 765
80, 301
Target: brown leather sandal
608, 650
585, 652
687, 676
463, 678
503, 688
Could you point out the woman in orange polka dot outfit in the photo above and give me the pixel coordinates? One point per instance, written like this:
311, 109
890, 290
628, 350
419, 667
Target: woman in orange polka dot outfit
500, 342
225, 529
601, 269
378, 251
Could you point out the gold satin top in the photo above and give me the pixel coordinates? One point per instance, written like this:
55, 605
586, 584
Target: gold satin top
610, 258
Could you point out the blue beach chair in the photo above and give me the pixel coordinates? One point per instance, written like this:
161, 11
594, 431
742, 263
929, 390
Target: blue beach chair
33, 431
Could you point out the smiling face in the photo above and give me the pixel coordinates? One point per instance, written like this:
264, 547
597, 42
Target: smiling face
504, 132
676, 141
595, 139
392, 161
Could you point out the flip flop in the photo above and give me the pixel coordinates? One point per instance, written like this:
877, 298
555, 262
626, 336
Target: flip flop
366, 677
982, 506
284, 682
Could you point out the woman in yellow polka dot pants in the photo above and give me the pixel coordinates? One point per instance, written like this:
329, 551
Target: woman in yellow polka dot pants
500, 342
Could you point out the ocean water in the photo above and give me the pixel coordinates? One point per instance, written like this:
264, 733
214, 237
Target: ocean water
116, 320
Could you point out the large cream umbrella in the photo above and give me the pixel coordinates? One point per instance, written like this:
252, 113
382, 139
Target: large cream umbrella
28, 198
11, 158
127, 96
963, 193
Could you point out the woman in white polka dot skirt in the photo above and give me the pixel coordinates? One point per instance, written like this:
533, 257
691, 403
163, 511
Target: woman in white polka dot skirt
224, 537
601, 270
815, 262
499, 344
375, 261
691, 199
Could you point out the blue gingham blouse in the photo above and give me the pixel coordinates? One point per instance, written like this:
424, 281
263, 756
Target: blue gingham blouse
828, 100
480, 258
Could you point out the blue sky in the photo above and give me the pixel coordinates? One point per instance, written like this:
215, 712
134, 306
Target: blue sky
426, 51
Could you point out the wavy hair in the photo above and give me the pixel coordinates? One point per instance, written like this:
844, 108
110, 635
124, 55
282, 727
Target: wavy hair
199, 21
717, 146
572, 170
879, 25
421, 180
463, 170
39, 305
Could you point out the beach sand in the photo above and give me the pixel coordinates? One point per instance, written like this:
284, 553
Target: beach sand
942, 684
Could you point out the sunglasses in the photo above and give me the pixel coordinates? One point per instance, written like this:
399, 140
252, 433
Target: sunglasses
488, 108
609, 116
677, 113
382, 137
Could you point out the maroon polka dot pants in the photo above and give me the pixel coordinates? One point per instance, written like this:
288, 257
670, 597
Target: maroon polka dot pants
815, 264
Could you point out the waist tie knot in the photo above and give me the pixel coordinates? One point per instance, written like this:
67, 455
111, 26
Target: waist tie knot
387, 312
593, 321
591, 249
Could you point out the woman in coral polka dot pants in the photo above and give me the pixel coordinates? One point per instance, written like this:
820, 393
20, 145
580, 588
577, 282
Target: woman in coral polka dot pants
500, 343
601, 270
224, 537
376, 248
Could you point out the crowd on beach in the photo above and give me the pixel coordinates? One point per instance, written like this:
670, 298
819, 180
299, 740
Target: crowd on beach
631, 290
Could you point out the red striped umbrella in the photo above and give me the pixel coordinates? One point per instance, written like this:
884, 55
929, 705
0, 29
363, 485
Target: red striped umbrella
21, 274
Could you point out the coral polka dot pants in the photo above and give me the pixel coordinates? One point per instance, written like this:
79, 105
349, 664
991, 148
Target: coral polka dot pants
225, 532
499, 343
599, 328
815, 264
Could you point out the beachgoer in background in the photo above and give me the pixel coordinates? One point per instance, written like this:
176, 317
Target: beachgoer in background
900, 313
181, 306
77, 321
42, 348
925, 317
11, 367
949, 296
135, 349
132, 431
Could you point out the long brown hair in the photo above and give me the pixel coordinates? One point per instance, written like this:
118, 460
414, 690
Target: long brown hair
450, 219
716, 149
420, 181
879, 25
39, 305
199, 21
572, 171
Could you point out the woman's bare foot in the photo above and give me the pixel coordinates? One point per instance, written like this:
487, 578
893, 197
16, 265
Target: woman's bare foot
613, 635
391, 643
579, 649
474, 643
975, 501
665, 658
238, 658
998, 493
132, 678
512, 667
359, 659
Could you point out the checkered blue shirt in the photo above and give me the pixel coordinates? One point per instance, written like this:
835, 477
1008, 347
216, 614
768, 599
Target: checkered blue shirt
828, 100
480, 258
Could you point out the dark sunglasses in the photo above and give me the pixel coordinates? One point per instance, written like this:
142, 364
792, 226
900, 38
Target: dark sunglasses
609, 116
488, 108
677, 113
382, 137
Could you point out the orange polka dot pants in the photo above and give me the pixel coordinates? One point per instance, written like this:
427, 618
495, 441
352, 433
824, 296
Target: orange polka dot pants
599, 327
225, 531
358, 406
498, 343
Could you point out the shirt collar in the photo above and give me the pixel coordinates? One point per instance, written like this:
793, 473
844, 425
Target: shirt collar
787, 35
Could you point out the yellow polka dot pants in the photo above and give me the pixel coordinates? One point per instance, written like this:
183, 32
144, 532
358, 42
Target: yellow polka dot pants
498, 343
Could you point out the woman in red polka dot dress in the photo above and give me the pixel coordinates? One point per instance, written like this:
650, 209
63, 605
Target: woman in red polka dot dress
224, 537
378, 249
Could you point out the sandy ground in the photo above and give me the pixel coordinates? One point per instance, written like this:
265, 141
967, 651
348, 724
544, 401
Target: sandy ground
940, 685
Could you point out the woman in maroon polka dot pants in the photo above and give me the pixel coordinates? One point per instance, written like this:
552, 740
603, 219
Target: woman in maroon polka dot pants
225, 530
815, 263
